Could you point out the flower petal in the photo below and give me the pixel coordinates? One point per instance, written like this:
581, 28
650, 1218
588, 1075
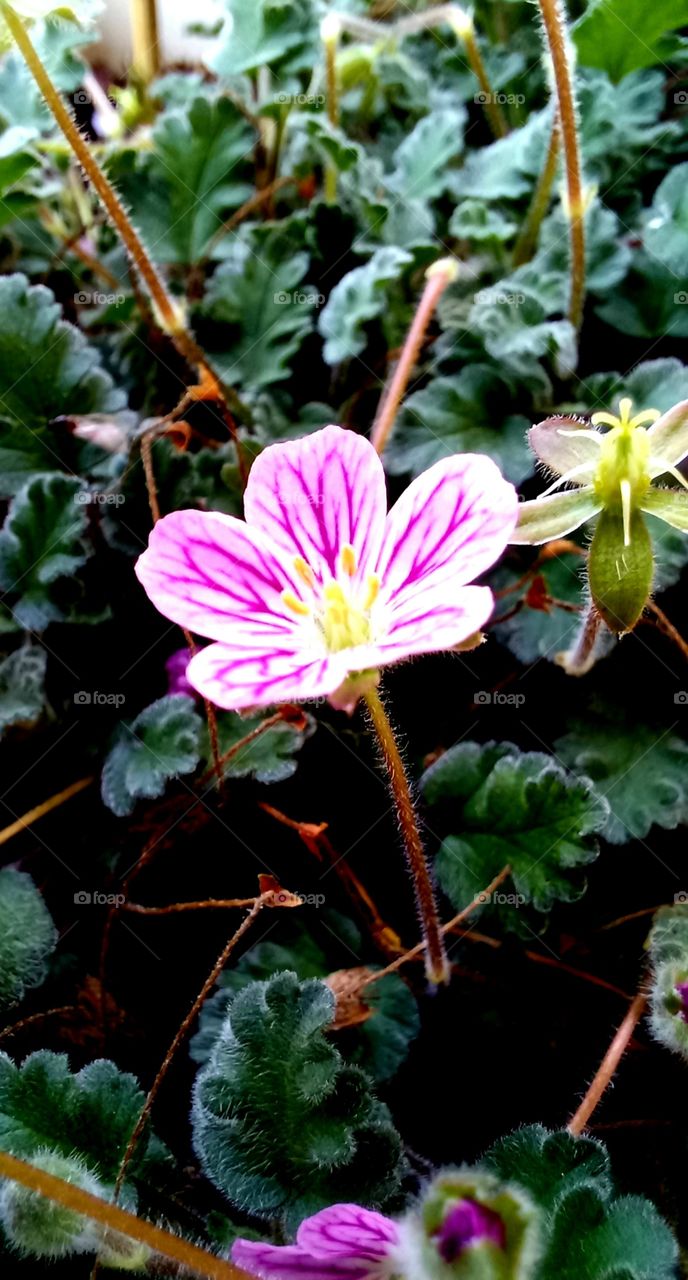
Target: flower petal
430, 621
347, 1231
236, 676
316, 495
210, 572
671, 505
547, 518
450, 525
282, 1262
668, 436
561, 453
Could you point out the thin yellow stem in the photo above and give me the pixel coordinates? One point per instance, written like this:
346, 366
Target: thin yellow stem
197, 1260
557, 40
488, 98
45, 807
525, 244
145, 47
330, 31
438, 276
436, 965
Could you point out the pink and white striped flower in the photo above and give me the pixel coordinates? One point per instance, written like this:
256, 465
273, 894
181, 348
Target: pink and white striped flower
344, 1242
320, 583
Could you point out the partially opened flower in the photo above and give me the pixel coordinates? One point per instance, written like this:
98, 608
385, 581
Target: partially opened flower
320, 586
612, 474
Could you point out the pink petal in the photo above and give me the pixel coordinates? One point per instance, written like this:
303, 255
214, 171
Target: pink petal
449, 526
209, 571
241, 675
432, 619
347, 1231
282, 1262
316, 495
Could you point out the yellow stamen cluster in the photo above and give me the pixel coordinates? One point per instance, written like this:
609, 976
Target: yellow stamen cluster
622, 476
341, 615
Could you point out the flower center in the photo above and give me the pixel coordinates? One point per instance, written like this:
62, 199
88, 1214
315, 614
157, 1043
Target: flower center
340, 609
622, 476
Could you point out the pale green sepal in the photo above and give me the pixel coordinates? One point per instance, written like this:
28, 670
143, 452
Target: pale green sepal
670, 505
620, 576
562, 443
553, 517
668, 436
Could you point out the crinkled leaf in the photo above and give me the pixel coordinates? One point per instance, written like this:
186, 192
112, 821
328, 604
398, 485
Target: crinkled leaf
269, 757
653, 384
514, 807
197, 172
259, 294
481, 222
641, 769
162, 743
666, 228
622, 35
47, 368
22, 686
267, 32
649, 303
421, 162
359, 297
334, 1141
27, 936
42, 543
465, 413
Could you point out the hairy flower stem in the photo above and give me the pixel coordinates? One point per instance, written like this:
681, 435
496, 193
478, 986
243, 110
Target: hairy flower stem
198, 1261
579, 660
330, 31
438, 276
557, 40
488, 99
168, 313
609, 1064
527, 239
436, 964
46, 806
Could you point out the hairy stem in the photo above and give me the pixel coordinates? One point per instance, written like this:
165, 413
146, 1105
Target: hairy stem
197, 1260
45, 807
330, 29
436, 965
527, 239
609, 1064
462, 26
438, 276
557, 41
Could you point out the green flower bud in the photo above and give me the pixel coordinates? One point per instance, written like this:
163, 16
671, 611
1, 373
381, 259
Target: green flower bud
620, 568
40, 1228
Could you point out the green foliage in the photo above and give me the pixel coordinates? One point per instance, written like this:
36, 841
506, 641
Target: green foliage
465, 413
40, 1228
622, 35
639, 767
161, 743
27, 936
668, 948
358, 298
181, 191
513, 807
532, 632
90, 1115
381, 1043
590, 1231
270, 757
259, 300
42, 543
666, 229
281, 32
280, 1124
22, 692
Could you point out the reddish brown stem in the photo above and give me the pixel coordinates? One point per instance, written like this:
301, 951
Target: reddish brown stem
609, 1065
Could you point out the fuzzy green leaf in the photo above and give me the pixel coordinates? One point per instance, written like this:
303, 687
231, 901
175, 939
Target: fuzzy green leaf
641, 769
47, 368
421, 162
270, 757
27, 936
41, 543
259, 295
513, 807
465, 413
22, 686
359, 297
182, 190
280, 1124
282, 32
163, 742
666, 229
622, 35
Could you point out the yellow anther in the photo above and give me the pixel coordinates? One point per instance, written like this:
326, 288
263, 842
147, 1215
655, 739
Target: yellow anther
304, 571
372, 592
334, 593
347, 559
292, 602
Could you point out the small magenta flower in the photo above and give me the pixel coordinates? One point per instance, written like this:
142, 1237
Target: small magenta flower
681, 990
466, 1225
176, 666
612, 474
344, 1242
320, 586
